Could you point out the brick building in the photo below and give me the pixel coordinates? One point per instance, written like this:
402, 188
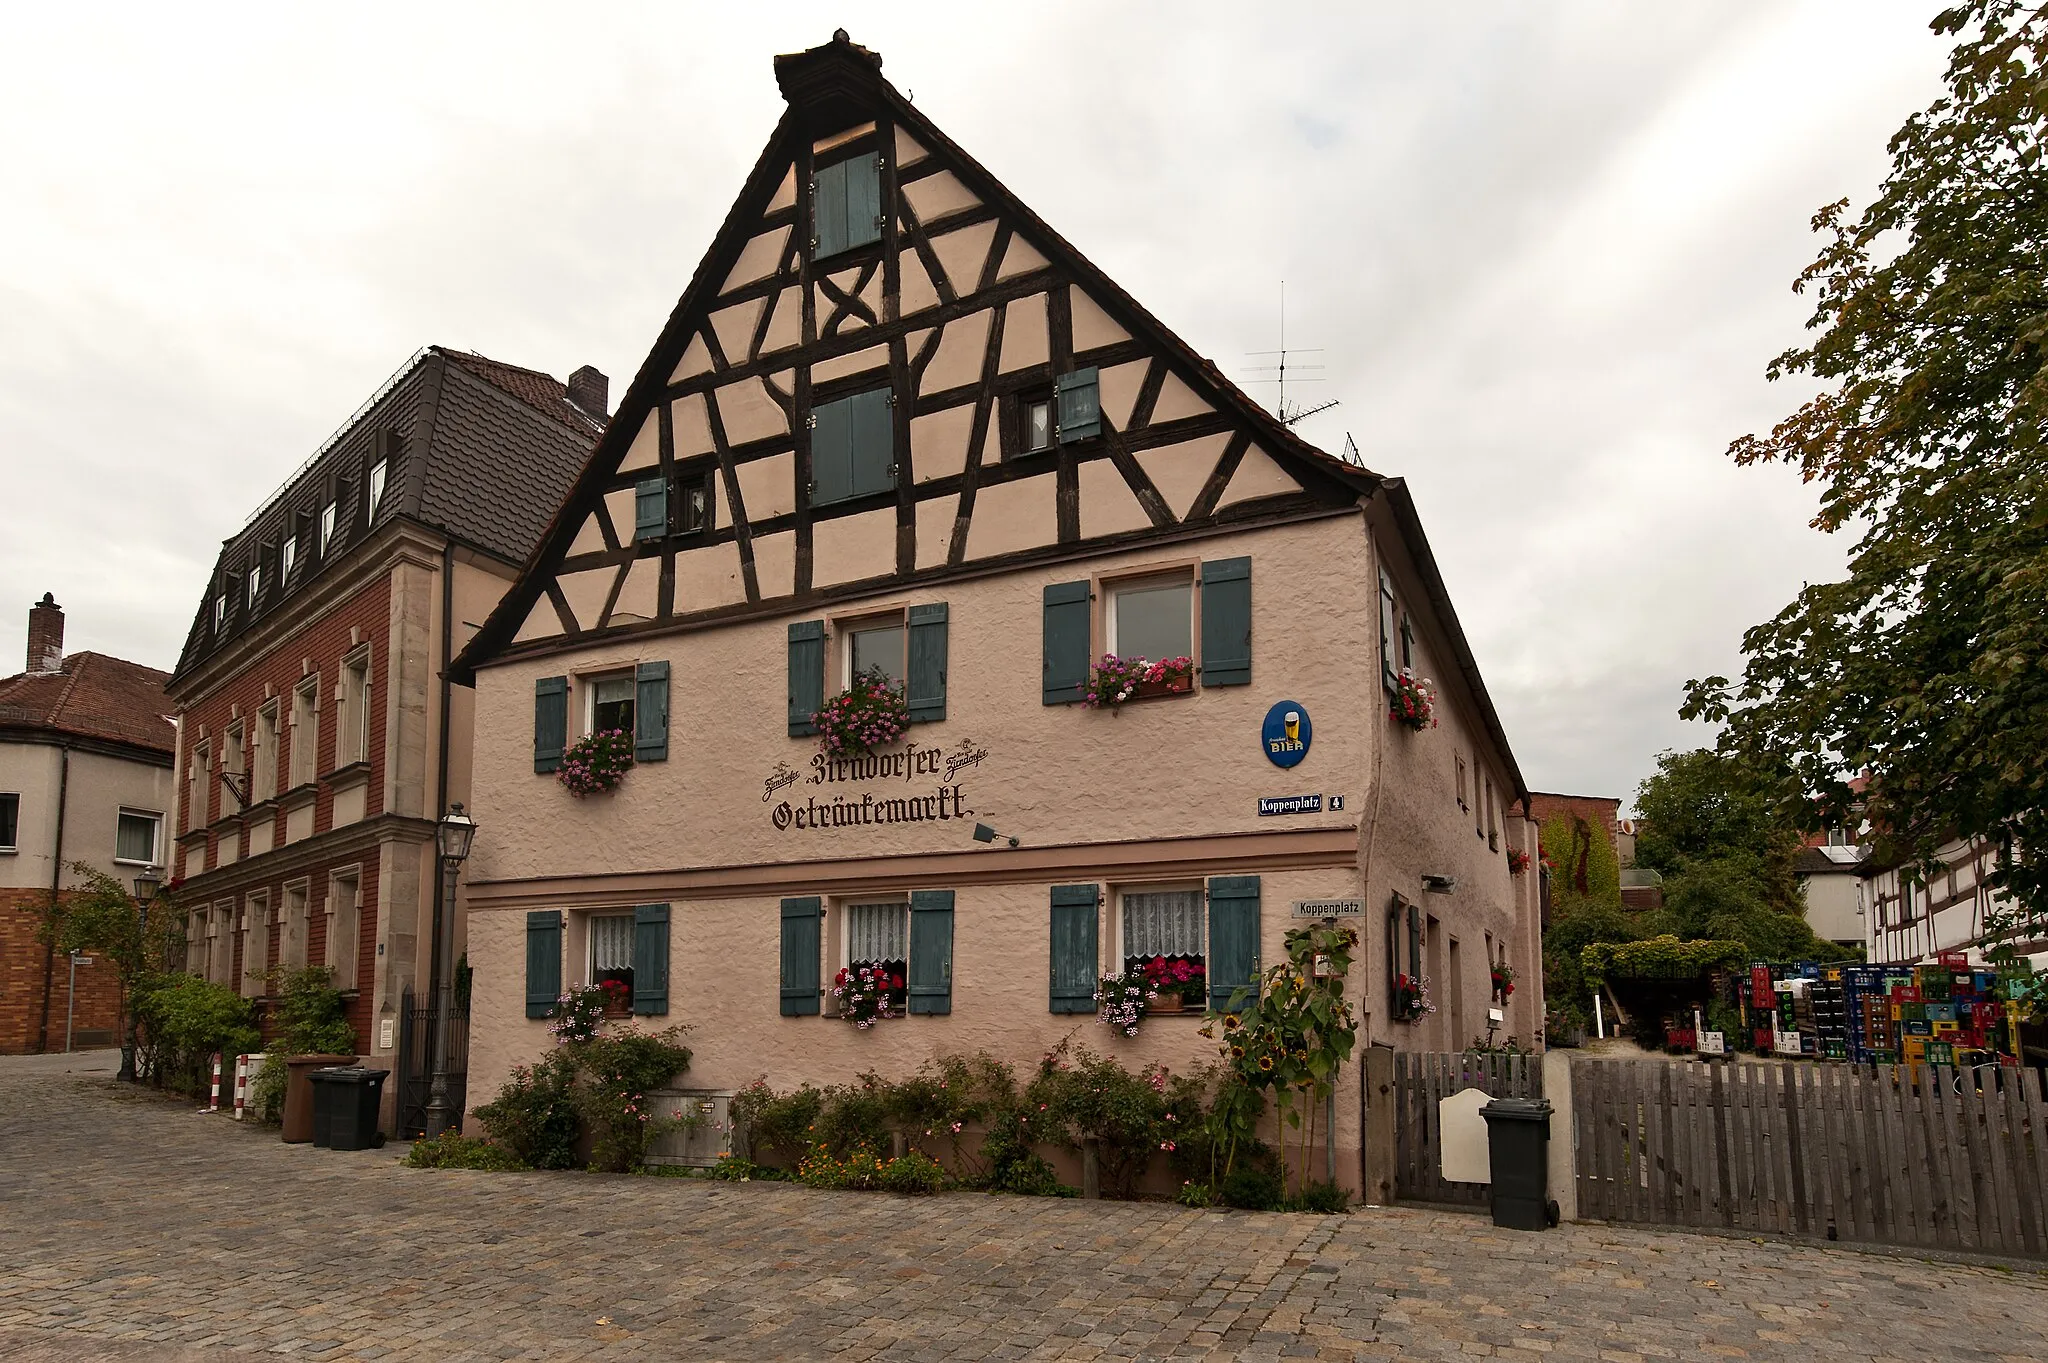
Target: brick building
320, 739
86, 747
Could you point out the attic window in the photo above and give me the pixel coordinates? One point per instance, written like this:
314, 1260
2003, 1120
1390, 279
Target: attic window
1034, 423
327, 521
287, 558
379, 472
220, 612
693, 503
846, 205
255, 581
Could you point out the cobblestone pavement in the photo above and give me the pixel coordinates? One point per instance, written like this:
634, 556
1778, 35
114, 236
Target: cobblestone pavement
131, 1228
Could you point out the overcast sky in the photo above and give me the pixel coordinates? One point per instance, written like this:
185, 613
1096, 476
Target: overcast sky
1546, 250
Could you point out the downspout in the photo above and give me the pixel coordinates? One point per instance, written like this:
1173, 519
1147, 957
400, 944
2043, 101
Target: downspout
56, 888
437, 965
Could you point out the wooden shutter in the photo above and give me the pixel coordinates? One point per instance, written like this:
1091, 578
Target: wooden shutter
873, 441
806, 675
650, 712
543, 961
863, 177
801, 991
1387, 669
1080, 405
1066, 642
1414, 942
925, 651
931, 951
650, 959
550, 722
831, 452
650, 509
1075, 959
1233, 939
1227, 622
828, 210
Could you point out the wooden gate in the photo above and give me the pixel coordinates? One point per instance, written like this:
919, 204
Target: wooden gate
1928, 1156
1422, 1079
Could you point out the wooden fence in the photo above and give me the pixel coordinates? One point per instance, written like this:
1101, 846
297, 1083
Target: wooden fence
1422, 1080
1932, 1156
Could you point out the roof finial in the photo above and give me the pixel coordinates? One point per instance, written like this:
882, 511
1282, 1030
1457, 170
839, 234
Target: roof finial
839, 36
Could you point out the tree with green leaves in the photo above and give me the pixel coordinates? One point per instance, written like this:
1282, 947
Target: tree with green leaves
139, 940
1927, 666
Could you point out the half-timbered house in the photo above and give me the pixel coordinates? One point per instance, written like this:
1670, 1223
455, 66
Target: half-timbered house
897, 422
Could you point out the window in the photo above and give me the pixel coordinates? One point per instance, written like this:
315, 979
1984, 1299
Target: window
220, 943
263, 756
255, 945
846, 207
1389, 627
352, 739
233, 785
1461, 783
328, 515
344, 923
693, 503
1164, 939
878, 937
1838, 837
291, 931
1034, 423
379, 472
1152, 619
196, 787
853, 446
1078, 398
220, 612
305, 731
255, 582
611, 704
1407, 642
10, 820
287, 558
135, 837
611, 959
876, 645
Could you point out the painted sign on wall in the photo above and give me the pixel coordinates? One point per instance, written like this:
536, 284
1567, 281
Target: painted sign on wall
934, 792
1286, 734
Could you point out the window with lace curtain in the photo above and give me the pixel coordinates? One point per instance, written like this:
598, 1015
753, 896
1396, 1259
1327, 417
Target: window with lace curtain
879, 935
1165, 933
611, 960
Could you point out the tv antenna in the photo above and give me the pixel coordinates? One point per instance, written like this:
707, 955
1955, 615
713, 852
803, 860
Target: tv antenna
1289, 415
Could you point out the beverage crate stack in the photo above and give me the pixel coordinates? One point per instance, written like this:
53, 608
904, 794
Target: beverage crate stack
1863, 1000
1762, 998
1831, 1014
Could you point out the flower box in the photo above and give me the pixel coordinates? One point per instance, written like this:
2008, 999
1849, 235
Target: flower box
1166, 1003
1117, 681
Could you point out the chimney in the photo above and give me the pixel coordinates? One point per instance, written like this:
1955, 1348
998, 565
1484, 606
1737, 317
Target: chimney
591, 391
46, 636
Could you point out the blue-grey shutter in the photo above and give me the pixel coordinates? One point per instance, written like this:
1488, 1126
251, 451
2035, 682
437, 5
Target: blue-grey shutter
650, 712
1233, 939
1075, 959
828, 210
831, 452
801, 992
863, 199
806, 675
931, 951
650, 959
926, 663
874, 442
543, 961
1080, 405
1387, 624
1066, 642
550, 722
650, 509
1227, 622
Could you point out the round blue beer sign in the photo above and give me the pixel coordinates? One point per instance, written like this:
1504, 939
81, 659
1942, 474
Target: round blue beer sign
1286, 734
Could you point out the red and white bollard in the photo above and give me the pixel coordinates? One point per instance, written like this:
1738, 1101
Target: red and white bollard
213, 1099
245, 1067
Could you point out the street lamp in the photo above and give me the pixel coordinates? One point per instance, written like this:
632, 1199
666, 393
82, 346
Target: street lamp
147, 883
455, 833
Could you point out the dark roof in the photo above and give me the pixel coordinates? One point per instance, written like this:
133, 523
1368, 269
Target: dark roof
94, 696
480, 450
1812, 861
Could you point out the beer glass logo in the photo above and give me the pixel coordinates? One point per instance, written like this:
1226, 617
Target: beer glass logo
1286, 734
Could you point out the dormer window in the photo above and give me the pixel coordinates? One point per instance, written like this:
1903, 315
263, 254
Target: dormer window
327, 522
379, 472
287, 558
220, 612
255, 581
846, 205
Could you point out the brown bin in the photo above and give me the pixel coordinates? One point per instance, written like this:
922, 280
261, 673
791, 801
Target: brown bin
298, 1092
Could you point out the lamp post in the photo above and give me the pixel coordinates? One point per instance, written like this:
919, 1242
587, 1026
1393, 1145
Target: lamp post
147, 884
455, 833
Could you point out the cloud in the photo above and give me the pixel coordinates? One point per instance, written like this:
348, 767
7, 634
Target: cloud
1543, 251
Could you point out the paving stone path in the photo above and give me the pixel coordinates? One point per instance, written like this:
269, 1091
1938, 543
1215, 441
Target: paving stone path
132, 1228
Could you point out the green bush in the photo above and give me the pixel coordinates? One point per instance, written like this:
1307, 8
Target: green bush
1253, 1186
1081, 1096
733, 1169
1322, 1197
265, 1101
913, 1172
1193, 1194
311, 1016
534, 1115
855, 1116
777, 1125
187, 1021
858, 1170
453, 1150
615, 1071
